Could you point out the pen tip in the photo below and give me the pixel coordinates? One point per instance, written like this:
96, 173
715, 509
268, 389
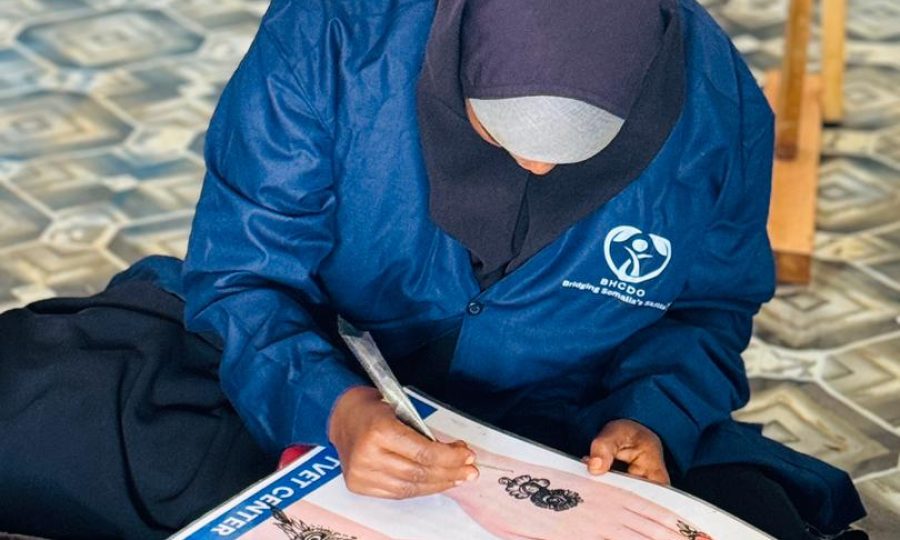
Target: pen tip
347, 329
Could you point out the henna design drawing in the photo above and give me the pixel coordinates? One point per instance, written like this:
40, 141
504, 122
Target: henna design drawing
691, 533
296, 529
539, 492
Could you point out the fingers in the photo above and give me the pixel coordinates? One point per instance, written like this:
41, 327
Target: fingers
393, 461
410, 471
410, 444
645, 460
652, 531
651, 466
632, 443
388, 475
652, 519
623, 532
603, 451
395, 488
416, 482
653, 522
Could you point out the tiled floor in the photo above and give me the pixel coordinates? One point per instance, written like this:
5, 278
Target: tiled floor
103, 105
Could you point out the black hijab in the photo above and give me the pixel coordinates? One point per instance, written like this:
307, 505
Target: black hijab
625, 57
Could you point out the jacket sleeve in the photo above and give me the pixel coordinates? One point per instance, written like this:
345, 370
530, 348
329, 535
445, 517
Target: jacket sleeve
685, 372
264, 223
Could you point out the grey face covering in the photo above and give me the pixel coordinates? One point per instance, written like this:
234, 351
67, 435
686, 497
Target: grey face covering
624, 58
550, 129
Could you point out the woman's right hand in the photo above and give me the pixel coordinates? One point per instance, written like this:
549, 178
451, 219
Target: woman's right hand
383, 457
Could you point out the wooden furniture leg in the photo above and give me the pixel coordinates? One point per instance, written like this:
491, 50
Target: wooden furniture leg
797, 100
834, 37
793, 71
795, 184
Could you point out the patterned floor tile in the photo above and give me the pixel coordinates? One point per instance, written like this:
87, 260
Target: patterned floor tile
18, 74
842, 305
871, 97
869, 375
52, 271
167, 237
853, 196
756, 15
763, 360
806, 418
109, 38
44, 123
216, 14
19, 222
881, 496
874, 19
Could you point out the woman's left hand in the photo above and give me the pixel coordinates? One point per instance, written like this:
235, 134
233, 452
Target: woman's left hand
633, 443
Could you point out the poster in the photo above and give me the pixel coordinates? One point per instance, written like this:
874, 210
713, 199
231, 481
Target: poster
524, 491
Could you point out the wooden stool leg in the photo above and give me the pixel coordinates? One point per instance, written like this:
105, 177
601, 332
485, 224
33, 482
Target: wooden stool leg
792, 217
793, 71
834, 36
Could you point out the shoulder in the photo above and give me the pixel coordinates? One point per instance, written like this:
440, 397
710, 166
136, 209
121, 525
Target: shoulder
716, 72
306, 27
345, 47
726, 118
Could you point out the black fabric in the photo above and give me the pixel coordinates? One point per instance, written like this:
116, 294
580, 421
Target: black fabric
428, 368
113, 424
748, 493
478, 192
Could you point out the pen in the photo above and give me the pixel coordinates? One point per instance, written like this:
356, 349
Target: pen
366, 352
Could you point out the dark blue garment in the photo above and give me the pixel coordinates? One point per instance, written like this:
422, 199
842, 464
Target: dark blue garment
316, 198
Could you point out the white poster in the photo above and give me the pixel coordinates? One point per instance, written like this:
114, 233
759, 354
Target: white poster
524, 491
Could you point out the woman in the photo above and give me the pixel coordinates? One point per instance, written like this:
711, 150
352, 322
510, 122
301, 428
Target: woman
551, 215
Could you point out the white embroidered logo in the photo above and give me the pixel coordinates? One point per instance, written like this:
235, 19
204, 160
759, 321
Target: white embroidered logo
635, 257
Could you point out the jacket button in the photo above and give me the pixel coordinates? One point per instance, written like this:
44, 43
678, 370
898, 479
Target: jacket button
474, 308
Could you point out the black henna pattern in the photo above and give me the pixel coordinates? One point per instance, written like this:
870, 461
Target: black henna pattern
691, 533
296, 529
539, 492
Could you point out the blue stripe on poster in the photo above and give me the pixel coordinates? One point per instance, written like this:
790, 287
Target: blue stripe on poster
254, 509
424, 409
322, 467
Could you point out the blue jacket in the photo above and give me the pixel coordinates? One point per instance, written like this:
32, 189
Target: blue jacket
316, 199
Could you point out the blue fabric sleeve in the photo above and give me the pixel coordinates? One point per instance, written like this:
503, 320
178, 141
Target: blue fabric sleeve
685, 372
264, 223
